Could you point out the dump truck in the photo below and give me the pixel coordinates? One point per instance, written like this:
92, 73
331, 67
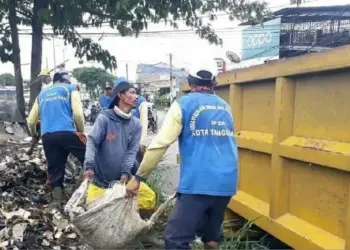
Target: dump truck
292, 125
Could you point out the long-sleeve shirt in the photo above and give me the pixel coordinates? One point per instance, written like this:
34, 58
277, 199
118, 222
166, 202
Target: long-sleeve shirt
111, 148
169, 132
77, 109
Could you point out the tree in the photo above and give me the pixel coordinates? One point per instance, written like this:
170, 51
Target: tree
128, 17
12, 47
92, 77
7, 79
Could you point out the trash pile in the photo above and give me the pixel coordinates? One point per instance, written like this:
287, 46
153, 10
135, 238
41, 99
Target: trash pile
26, 222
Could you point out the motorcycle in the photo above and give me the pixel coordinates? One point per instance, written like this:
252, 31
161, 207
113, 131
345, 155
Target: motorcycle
87, 114
152, 118
94, 114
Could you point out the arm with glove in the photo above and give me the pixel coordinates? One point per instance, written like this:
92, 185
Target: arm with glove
34, 126
171, 129
33, 118
78, 113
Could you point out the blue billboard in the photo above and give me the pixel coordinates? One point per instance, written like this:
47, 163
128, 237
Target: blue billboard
261, 41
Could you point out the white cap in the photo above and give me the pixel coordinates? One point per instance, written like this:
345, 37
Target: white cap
209, 65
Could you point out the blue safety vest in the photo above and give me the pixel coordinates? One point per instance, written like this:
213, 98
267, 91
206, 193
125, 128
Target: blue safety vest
55, 108
136, 111
207, 146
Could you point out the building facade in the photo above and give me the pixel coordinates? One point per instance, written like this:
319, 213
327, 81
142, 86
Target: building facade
154, 79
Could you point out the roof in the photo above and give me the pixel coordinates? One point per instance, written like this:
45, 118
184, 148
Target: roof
320, 10
158, 68
305, 14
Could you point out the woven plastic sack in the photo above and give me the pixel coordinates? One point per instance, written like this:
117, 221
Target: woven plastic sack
74, 205
114, 222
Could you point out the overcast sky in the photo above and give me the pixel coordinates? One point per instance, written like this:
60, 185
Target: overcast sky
187, 49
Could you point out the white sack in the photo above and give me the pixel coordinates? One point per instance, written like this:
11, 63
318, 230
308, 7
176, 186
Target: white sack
113, 221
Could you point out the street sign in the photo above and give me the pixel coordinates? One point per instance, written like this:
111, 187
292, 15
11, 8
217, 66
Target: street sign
221, 65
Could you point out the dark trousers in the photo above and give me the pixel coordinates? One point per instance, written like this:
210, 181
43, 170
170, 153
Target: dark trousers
57, 147
192, 215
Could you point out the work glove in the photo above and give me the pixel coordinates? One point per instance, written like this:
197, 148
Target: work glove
124, 179
143, 149
88, 174
132, 188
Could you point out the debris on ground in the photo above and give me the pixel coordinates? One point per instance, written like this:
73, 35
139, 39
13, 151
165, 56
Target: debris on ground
26, 222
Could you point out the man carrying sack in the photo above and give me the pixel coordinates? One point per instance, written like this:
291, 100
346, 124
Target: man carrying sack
112, 146
111, 150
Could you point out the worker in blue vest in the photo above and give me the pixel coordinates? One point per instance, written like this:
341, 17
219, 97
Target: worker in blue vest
106, 99
61, 126
203, 124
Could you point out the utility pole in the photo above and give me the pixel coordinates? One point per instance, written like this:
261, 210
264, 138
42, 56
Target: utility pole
54, 52
127, 71
171, 76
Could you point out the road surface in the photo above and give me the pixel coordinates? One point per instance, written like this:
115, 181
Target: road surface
167, 172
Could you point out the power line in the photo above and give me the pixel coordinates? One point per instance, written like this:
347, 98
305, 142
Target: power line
317, 26
156, 33
343, 12
237, 29
311, 29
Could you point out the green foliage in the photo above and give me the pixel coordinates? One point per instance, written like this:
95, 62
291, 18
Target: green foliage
5, 43
240, 239
92, 77
7, 79
128, 17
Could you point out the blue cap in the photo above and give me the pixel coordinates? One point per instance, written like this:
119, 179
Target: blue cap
124, 85
119, 80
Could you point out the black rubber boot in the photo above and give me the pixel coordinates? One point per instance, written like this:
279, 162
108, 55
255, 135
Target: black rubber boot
58, 197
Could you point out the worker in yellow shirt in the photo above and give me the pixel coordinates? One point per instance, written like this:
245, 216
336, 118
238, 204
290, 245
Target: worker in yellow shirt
203, 124
61, 128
